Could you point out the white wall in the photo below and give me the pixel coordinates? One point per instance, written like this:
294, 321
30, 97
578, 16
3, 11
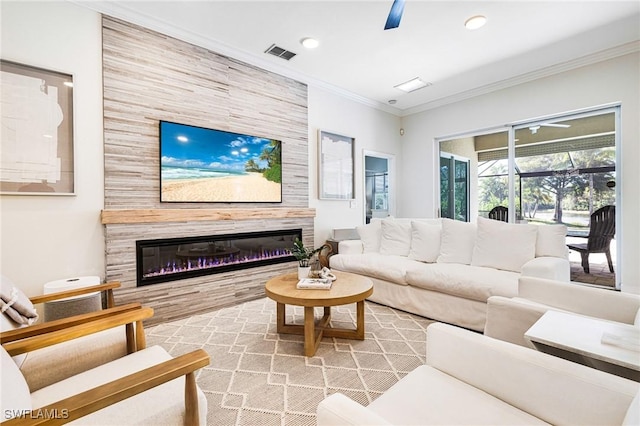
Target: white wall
614, 80
46, 238
373, 130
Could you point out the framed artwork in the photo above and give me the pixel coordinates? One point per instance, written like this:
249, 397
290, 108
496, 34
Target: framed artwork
336, 166
37, 131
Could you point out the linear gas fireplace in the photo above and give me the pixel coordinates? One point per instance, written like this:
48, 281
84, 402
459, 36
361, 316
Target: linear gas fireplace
177, 258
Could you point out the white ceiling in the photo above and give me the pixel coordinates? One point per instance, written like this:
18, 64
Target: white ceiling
356, 57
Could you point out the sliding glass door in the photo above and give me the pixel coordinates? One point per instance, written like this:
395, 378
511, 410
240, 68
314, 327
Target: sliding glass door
559, 169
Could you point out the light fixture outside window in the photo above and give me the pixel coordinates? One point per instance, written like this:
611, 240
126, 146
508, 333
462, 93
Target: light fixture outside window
413, 84
310, 43
475, 22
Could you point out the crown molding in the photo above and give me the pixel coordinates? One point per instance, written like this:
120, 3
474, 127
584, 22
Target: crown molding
603, 55
117, 10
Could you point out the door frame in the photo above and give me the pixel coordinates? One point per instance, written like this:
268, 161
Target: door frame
391, 170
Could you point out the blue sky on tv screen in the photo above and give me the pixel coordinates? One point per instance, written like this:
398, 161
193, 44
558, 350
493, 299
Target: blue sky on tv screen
195, 148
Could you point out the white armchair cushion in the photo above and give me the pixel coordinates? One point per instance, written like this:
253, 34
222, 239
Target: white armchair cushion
503, 245
425, 241
396, 237
14, 398
551, 388
633, 413
338, 409
551, 241
427, 396
457, 241
370, 235
163, 404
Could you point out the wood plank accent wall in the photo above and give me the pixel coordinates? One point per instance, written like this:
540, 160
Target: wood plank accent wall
150, 77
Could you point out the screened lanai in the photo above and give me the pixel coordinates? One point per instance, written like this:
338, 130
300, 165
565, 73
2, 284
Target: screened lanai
564, 170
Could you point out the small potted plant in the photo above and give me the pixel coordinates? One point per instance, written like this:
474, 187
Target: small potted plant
303, 255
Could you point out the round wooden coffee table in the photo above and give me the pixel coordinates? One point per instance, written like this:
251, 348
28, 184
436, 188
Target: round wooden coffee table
348, 288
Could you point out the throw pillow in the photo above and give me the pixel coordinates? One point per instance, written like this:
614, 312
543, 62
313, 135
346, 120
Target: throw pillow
425, 241
396, 237
457, 241
551, 241
502, 245
370, 235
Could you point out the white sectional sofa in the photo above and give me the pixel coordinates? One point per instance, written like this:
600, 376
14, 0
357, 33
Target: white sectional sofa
445, 269
471, 379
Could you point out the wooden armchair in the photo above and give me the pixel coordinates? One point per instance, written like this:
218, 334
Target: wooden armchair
70, 357
140, 388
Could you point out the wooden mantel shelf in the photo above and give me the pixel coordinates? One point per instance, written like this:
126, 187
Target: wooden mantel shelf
111, 217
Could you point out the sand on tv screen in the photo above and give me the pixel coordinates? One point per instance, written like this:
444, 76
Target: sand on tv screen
207, 165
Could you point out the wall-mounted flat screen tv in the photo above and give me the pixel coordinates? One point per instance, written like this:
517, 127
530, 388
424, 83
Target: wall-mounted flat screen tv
216, 166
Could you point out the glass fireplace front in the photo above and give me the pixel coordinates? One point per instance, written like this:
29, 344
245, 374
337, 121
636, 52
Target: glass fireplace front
177, 258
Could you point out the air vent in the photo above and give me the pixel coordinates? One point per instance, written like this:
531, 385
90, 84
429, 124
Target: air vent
280, 52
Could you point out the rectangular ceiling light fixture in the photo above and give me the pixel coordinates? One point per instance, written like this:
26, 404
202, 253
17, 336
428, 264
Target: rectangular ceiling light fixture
412, 85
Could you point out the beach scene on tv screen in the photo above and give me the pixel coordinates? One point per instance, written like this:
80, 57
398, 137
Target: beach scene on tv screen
208, 165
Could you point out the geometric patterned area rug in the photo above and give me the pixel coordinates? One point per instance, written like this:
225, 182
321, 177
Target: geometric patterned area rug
260, 377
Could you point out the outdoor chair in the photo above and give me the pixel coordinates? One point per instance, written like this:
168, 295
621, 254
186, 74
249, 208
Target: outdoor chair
148, 386
499, 213
602, 229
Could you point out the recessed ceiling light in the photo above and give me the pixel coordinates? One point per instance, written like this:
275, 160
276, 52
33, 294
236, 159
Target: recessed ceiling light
475, 22
392, 101
411, 85
310, 43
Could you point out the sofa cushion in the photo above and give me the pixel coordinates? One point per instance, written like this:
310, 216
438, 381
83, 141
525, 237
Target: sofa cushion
503, 245
387, 267
370, 235
457, 241
428, 396
396, 237
551, 241
469, 282
425, 241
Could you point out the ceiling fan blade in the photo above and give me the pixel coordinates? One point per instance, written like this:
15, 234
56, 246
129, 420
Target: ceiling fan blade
395, 14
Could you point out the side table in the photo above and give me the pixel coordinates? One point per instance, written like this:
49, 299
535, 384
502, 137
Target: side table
579, 339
